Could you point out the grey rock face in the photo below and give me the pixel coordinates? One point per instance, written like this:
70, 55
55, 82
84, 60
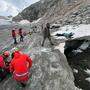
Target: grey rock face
41, 8
51, 71
62, 11
81, 16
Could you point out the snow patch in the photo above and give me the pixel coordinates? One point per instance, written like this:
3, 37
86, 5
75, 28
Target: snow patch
24, 22
88, 79
77, 51
36, 21
45, 49
84, 46
60, 47
79, 31
75, 70
87, 71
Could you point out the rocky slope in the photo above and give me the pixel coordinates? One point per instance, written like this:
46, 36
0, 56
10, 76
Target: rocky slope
58, 11
74, 12
40, 8
35, 11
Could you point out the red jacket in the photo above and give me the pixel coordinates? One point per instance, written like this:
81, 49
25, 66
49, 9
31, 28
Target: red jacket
13, 34
19, 63
2, 63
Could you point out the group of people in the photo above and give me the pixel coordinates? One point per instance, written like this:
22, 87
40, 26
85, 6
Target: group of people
20, 63
46, 34
18, 66
14, 34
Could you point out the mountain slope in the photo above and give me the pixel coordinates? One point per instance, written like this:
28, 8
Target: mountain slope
61, 11
33, 12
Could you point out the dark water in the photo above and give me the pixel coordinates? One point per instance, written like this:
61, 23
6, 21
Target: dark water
81, 62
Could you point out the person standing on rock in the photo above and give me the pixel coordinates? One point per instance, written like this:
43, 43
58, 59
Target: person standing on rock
14, 36
21, 35
19, 66
46, 34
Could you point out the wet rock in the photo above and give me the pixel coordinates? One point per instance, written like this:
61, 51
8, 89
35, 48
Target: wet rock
76, 46
72, 45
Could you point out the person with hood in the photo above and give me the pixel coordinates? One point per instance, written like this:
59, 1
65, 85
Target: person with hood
4, 65
5, 55
19, 66
6, 58
21, 35
46, 34
14, 36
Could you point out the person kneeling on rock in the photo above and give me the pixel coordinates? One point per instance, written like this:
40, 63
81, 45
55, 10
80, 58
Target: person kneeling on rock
19, 66
4, 65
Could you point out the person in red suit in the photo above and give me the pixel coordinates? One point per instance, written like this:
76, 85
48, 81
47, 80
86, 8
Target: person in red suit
2, 63
19, 66
4, 68
21, 35
14, 36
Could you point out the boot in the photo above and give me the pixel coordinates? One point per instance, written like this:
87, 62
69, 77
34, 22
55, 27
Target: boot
23, 85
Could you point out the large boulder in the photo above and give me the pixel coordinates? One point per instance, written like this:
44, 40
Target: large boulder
51, 71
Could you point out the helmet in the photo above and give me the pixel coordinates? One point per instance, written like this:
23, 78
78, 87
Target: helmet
6, 53
14, 49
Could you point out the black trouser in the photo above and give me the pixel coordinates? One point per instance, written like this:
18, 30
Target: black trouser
15, 41
49, 38
3, 74
23, 84
21, 38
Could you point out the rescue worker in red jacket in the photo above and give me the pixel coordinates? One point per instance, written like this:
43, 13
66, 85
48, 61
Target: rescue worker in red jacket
4, 70
21, 35
6, 54
6, 58
14, 36
2, 63
19, 66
